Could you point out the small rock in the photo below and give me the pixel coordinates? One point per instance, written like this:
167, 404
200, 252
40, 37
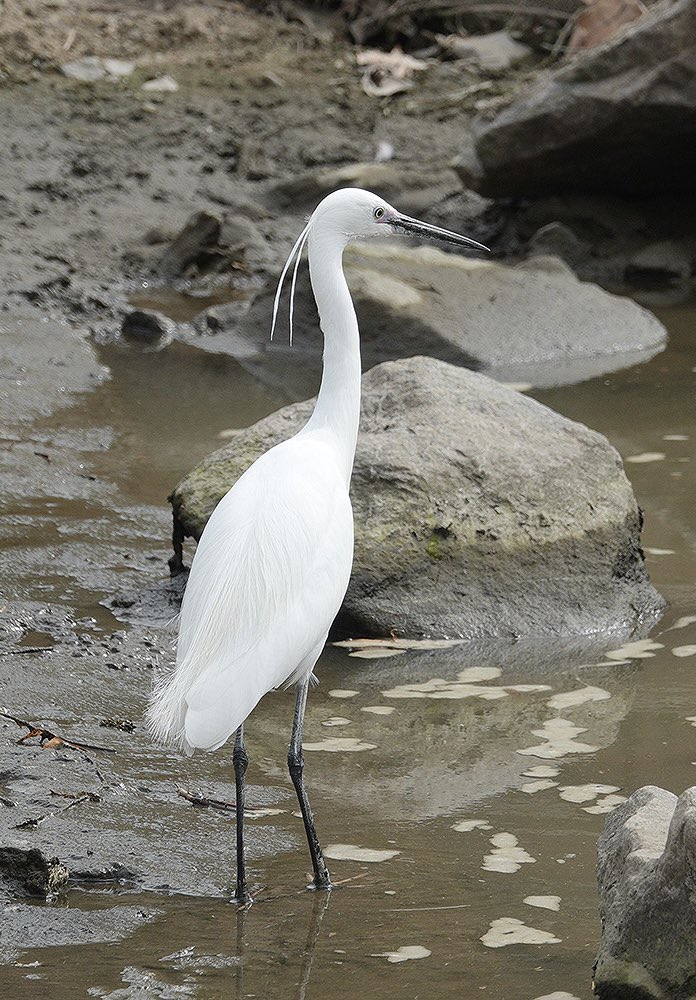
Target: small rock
87, 70
240, 238
163, 84
223, 317
667, 261
647, 883
193, 245
92, 68
27, 871
558, 240
495, 51
118, 67
148, 327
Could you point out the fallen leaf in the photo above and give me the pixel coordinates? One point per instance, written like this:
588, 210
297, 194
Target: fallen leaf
602, 20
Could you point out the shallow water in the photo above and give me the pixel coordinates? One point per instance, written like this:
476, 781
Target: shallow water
437, 760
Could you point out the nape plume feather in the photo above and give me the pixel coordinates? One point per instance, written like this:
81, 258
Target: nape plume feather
296, 250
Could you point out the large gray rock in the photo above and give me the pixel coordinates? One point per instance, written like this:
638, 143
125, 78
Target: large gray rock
534, 323
478, 511
617, 118
647, 882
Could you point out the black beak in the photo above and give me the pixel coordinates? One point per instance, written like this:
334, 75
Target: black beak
414, 227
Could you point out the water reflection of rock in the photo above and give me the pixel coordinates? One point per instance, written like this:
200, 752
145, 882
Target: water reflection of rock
437, 756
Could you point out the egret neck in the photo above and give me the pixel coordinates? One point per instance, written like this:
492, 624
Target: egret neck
337, 410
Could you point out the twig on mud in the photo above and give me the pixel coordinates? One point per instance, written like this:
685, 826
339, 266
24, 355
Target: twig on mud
25, 649
49, 740
31, 824
202, 802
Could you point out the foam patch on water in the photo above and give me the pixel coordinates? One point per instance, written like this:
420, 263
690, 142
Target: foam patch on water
542, 771
530, 787
641, 649
392, 643
507, 856
569, 699
342, 693
645, 457
558, 995
467, 825
585, 793
559, 737
527, 688
467, 685
405, 953
683, 622
351, 852
605, 805
340, 744
376, 653
544, 902
379, 709
684, 650
508, 930
336, 720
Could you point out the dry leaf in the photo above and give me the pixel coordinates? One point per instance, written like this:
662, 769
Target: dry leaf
601, 20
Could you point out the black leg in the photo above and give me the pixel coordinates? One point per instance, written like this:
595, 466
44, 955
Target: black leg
240, 762
322, 879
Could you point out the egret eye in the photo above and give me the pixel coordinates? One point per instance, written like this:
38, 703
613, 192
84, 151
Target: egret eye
378, 213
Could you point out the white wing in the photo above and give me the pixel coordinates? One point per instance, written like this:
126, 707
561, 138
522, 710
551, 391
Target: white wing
267, 580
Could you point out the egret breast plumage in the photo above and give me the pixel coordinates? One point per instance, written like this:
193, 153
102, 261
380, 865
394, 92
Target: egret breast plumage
273, 563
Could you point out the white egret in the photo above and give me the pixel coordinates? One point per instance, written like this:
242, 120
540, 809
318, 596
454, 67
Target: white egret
272, 565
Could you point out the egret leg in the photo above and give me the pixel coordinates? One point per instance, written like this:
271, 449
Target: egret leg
322, 879
240, 761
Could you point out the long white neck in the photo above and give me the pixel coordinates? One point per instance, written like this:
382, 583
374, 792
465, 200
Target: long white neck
337, 411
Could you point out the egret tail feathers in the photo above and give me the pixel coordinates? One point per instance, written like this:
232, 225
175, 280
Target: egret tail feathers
217, 705
202, 715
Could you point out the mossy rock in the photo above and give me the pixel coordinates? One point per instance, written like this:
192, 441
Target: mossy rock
478, 511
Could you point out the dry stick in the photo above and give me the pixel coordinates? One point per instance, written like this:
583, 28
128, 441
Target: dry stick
563, 36
46, 736
25, 649
30, 824
202, 802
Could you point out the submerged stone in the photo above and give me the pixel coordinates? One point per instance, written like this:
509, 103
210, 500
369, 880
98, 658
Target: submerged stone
478, 511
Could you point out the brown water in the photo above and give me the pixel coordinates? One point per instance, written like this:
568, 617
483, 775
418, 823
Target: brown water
432, 763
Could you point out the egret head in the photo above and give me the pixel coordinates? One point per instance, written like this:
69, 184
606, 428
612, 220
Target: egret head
355, 214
